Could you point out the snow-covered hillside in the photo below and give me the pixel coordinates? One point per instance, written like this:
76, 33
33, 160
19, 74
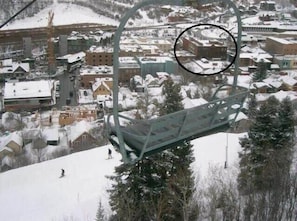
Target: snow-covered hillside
64, 14
36, 192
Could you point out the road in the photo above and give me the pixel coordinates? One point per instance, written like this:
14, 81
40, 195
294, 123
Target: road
67, 86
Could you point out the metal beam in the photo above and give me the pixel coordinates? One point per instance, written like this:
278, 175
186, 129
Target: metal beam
131, 12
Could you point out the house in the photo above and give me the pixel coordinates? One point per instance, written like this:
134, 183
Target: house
137, 84
80, 136
102, 86
11, 145
30, 135
51, 136
28, 95
84, 112
286, 61
251, 56
288, 83
260, 87
14, 70
88, 74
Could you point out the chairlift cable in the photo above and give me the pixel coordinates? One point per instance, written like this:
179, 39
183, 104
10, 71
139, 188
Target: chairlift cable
20, 11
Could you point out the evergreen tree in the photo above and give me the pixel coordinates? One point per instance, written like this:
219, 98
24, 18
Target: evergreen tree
178, 159
261, 72
100, 213
173, 99
158, 187
267, 150
252, 107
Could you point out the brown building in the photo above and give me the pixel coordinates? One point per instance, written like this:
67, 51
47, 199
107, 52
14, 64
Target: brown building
130, 50
80, 136
102, 86
71, 114
128, 68
96, 56
205, 48
281, 46
89, 74
12, 145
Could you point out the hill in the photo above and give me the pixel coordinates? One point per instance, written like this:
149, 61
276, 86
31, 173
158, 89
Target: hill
36, 192
64, 14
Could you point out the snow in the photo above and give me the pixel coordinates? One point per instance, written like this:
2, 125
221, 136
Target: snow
36, 192
64, 14
27, 89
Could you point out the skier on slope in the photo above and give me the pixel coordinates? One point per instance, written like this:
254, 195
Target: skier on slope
62, 172
109, 154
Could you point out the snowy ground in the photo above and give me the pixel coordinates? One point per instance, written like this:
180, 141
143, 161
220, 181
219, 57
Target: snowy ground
64, 14
36, 192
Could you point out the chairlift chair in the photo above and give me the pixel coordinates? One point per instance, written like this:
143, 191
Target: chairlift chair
136, 139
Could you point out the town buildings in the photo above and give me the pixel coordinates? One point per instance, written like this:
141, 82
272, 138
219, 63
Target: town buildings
28, 95
209, 49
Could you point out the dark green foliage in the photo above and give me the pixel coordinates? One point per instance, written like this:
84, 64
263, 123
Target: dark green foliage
261, 72
173, 99
252, 106
267, 150
158, 187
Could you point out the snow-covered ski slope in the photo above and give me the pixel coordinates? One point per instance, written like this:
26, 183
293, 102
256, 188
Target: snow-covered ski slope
36, 193
64, 14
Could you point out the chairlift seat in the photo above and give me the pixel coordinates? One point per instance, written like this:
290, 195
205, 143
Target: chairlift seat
146, 137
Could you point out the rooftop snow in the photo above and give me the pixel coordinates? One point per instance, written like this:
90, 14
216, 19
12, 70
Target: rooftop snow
28, 89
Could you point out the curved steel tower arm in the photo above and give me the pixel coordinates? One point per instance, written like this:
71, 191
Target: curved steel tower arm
116, 51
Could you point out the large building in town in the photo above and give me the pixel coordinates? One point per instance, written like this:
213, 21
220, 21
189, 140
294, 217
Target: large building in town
28, 95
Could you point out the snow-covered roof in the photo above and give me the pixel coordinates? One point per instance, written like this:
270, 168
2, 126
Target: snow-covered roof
51, 133
28, 89
85, 96
96, 70
14, 136
189, 103
6, 62
153, 59
14, 66
282, 40
100, 49
128, 62
273, 82
280, 95
240, 116
78, 129
255, 53
101, 81
288, 80
71, 58
5, 148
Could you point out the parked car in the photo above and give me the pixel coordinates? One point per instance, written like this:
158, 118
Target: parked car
68, 101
